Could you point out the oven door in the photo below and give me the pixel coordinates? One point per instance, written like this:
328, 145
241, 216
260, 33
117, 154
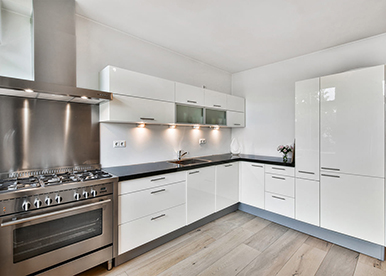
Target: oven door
42, 238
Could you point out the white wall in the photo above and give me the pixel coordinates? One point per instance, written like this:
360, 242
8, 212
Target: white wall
158, 143
269, 91
99, 46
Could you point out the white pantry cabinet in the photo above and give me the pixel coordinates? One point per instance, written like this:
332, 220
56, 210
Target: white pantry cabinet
235, 119
252, 184
189, 94
353, 205
227, 185
307, 129
200, 193
307, 201
215, 99
126, 82
124, 109
235, 103
352, 122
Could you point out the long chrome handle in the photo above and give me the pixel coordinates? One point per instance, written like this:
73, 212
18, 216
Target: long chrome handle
230, 165
281, 198
155, 192
280, 169
189, 101
331, 169
147, 119
237, 124
23, 220
329, 175
306, 172
217, 105
194, 172
157, 179
160, 216
258, 166
281, 178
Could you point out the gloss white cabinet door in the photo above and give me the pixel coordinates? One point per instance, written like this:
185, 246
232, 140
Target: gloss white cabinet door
125, 109
352, 122
214, 99
307, 201
307, 129
227, 185
252, 184
189, 94
117, 80
200, 193
235, 119
235, 103
353, 205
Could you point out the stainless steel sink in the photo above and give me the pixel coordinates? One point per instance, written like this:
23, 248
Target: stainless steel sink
187, 162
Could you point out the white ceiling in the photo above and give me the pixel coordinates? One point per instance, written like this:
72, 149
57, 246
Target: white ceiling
236, 35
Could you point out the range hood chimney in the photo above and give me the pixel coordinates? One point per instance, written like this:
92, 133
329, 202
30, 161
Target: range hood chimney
54, 54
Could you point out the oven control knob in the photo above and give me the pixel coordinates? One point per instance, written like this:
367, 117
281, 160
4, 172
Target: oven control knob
58, 199
48, 201
38, 203
85, 194
77, 196
26, 205
93, 193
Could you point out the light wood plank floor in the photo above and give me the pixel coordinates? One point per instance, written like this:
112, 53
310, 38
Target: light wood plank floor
242, 244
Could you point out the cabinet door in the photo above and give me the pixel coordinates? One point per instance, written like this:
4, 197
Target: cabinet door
188, 94
134, 110
352, 122
235, 119
353, 205
252, 184
227, 185
307, 129
235, 103
307, 201
215, 99
122, 81
200, 193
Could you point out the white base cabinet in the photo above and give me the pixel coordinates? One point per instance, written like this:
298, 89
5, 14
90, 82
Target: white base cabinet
200, 193
307, 201
353, 205
280, 204
252, 184
227, 185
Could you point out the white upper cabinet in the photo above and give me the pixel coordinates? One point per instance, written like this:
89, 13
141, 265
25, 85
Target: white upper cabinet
126, 82
235, 119
124, 109
215, 99
235, 103
352, 122
189, 94
307, 129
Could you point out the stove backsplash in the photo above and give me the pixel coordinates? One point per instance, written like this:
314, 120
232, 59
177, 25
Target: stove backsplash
40, 134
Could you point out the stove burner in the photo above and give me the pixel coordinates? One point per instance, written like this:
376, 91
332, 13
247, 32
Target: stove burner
16, 183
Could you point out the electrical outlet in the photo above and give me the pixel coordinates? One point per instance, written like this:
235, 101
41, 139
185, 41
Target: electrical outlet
115, 144
122, 144
202, 141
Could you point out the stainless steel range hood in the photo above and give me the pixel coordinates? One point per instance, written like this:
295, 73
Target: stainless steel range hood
54, 47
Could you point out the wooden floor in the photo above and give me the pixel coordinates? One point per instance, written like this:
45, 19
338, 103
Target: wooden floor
242, 244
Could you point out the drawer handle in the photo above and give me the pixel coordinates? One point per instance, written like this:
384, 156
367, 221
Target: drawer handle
157, 179
189, 101
157, 217
329, 175
230, 165
237, 124
147, 119
331, 169
280, 169
277, 197
258, 166
217, 105
158, 191
194, 172
281, 178
306, 172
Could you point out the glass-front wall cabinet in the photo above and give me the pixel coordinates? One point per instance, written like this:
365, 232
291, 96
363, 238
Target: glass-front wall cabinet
189, 114
216, 117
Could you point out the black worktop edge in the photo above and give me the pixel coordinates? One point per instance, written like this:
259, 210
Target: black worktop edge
231, 159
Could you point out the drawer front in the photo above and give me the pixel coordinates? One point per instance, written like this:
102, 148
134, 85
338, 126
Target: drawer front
283, 170
130, 186
146, 229
279, 204
279, 184
143, 203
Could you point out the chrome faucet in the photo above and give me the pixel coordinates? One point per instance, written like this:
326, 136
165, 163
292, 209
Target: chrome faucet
181, 153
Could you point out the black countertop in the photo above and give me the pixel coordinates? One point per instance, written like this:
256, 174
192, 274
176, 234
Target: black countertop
156, 168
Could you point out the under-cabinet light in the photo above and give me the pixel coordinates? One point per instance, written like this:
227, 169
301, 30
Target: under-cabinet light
142, 125
215, 127
196, 127
172, 126
28, 90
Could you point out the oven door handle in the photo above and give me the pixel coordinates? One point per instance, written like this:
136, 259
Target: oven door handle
23, 220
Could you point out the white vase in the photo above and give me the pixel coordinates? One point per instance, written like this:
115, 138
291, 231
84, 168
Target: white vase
235, 146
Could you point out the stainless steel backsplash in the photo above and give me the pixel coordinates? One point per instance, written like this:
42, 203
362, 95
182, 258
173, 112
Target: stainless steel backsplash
41, 134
